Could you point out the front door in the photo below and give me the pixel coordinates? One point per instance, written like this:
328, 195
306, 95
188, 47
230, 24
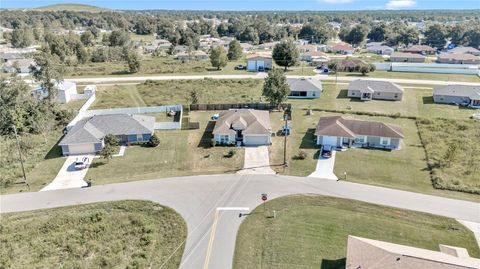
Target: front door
239, 136
366, 96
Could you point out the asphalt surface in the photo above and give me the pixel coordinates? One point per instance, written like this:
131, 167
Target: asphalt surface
197, 199
123, 79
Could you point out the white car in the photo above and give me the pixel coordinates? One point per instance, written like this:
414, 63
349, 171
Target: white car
476, 116
81, 164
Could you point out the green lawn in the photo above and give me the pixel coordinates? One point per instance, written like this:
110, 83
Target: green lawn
311, 232
180, 153
123, 234
421, 76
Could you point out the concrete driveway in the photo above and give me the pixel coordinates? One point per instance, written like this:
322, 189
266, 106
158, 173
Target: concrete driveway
68, 177
324, 167
256, 161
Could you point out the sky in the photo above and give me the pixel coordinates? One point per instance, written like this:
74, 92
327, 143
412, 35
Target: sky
258, 4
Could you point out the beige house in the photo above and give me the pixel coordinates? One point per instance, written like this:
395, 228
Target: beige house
458, 58
256, 61
368, 90
246, 127
420, 49
346, 132
363, 253
403, 57
465, 95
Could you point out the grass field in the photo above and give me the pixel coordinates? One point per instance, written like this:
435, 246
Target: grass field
311, 232
123, 234
71, 7
180, 153
421, 76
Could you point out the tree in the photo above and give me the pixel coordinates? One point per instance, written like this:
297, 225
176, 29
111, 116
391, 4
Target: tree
118, 38
435, 36
235, 51
317, 32
133, 61
48, 71
194, 96
355, 35
111, 143
335, 66
218, 57
364, 69
87, 38
154, 141
276, 88
450, 154
285, 53
22, 38
44, 124
378, 33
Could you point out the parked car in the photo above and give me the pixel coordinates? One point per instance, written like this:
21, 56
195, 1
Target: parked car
81, 164
327, 151
240, 67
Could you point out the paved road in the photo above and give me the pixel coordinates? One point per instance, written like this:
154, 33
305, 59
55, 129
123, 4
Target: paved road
196, 199
124, 79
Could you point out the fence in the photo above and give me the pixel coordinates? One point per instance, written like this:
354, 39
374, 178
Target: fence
82, 110
430, 68
259, 106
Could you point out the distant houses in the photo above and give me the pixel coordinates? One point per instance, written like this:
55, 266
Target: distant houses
304, 88
421, 49
340, 47
403, 57
458, 94
458, 58
20, 66
380, 49
465, 50
367, 90
315, 57
191, 55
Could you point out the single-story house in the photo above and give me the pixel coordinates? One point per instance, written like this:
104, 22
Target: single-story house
352, 64
340, 47
340, 131
307, 48
458, 58
179, 48
257, 60
157, 44
10, 56
193, 55
465, 50
458, 95
420, 49
267, 45
380, 49
247, 127
368, 89
88, 134
368, 253
21, 66
246, 47
302, 88
316, 56
66, 89
403, 57
371, 44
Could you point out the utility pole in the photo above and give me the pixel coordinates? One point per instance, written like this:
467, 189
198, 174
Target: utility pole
285, 117
20, 156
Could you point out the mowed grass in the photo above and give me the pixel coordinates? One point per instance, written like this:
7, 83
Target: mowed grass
311, 232
123, 234
418, 76
180, 153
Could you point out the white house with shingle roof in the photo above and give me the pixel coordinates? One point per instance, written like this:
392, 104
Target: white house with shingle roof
339, 131
303, 88
458, 94
369, 89
248, 127
87, 135
364, 253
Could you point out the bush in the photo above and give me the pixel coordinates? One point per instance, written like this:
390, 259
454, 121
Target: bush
213, 142
302, 155
154, 141
230, 153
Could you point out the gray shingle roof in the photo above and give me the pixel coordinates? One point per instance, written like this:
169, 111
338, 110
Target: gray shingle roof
406, 55
349, 127
375, 86
93, 129
304, 84
471, 50
252, 121
458, 90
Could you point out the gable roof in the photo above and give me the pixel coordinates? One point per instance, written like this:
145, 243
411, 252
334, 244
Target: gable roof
406, 55
419, 253
473, 92
349, 127
375, 86
93, 129
258, 55
471, 50
420, 48
458, 57
304, 84
255, 121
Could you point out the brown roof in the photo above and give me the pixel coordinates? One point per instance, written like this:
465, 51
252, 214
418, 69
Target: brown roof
250, 120
349, 127
258, 55
315, 53
350, 62
420, 48
342, 46
406, 55
458, 56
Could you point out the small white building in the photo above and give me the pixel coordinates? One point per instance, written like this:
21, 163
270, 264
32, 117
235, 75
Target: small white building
66, 90
258, 61
304, 88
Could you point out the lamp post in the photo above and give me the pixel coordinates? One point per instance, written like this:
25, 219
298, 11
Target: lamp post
20, 156
285, 130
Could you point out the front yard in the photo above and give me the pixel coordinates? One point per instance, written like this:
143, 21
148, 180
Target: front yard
311, 232
180, 153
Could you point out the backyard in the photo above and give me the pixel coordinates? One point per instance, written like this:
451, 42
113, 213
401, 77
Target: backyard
140, 234
407, 75
311, 232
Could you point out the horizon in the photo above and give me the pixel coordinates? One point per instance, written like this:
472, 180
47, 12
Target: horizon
259, 6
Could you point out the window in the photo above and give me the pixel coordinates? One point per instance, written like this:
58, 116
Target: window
224, 139
396, 95
353, 93
361, 139
139, 137
385, 141
378, 93
303, 93
314, 94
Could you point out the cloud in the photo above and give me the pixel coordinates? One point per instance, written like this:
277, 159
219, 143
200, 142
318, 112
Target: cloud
337, 1
396, 4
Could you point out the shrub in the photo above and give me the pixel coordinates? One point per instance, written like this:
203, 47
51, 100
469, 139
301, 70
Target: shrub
213, 142
230, 153
302, 155
154, 141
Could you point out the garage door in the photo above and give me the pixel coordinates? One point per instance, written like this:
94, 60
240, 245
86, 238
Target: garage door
255, 140
329, 140
251, 66
81, 149
260, 63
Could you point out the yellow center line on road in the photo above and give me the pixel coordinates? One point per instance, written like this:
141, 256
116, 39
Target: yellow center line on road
210, 242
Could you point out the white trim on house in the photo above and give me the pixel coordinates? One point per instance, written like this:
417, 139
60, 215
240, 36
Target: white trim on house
385, 141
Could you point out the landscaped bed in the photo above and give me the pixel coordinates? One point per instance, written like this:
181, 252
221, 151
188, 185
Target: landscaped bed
311, 232
124, 234
452, 148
